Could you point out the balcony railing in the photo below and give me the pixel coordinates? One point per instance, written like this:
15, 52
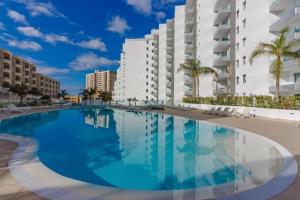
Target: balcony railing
286, 17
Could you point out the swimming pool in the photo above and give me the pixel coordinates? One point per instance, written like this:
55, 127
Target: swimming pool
147, 151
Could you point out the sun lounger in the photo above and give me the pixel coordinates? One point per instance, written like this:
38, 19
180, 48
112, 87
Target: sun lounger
13, 109
244, 114
224, 112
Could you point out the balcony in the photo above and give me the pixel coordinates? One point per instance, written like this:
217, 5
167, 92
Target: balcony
189, 56
222, 60
222, 30
286, 89
189, 47
169, 75
169, 92
289, 66
189, 23
154, 86
169, 67
188, 92
169, 58
188, 80
220, 91
223, 76
289, 17
279, 5
6, 69
221, 45
221, 4
222, 15
169, 85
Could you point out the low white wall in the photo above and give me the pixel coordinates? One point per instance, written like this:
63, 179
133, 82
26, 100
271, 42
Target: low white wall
293, 115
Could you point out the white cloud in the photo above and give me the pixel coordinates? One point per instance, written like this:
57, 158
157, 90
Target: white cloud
42, 9
118, 25
95, 44
90, 61
16, 16
142, 6
54, 38
2, 27
52, 70
29, 31
29, 45
160, 15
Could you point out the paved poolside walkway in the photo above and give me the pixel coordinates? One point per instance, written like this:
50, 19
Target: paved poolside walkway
285, 133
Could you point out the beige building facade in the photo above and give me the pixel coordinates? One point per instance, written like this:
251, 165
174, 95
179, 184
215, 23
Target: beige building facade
101, 81
15, 70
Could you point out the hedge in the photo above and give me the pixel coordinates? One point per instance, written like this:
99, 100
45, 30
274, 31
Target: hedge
292, 102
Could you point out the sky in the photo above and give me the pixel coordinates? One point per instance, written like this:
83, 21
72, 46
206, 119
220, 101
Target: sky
70, 38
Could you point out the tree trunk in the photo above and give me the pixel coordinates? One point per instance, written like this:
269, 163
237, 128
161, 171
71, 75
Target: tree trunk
277, 76
217, 87
197, 86
277, 93
21, 100
193, 87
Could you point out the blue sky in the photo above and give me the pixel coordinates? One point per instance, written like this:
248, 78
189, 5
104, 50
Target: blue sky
69, 38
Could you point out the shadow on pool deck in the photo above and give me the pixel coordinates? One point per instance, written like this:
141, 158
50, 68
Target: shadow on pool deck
285, 133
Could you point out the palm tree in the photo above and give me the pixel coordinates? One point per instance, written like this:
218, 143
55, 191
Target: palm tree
63, 94
279, 49
105, 96
21, 91
85, 95
194, 68
91, 93
129, 101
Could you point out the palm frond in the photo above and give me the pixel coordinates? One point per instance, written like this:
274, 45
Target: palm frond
259, 51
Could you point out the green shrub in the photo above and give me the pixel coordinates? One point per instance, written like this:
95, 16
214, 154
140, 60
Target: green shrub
292, 102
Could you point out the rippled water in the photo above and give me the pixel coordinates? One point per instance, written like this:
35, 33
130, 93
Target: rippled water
146, 151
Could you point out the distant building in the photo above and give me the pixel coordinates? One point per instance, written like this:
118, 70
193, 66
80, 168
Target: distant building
15, 70
73, 99
101, 81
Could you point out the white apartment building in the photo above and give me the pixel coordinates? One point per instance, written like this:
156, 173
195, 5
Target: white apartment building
222, 34
287, 13
138, 73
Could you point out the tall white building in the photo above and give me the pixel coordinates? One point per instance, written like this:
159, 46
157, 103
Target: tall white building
222, 34
138, 73
287, 13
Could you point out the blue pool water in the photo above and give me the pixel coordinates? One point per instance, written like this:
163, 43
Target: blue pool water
140, 151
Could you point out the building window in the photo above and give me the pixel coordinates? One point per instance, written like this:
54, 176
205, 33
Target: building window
237, 80
244, 78
244, 60
237, 63
6, 66
237, 30
237, 13
244, 4
237, 46
244, 41
244, 23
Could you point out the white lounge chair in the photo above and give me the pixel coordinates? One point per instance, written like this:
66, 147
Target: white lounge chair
244, 114
13, 109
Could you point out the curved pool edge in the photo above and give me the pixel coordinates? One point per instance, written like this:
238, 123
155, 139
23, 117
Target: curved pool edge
26, 168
